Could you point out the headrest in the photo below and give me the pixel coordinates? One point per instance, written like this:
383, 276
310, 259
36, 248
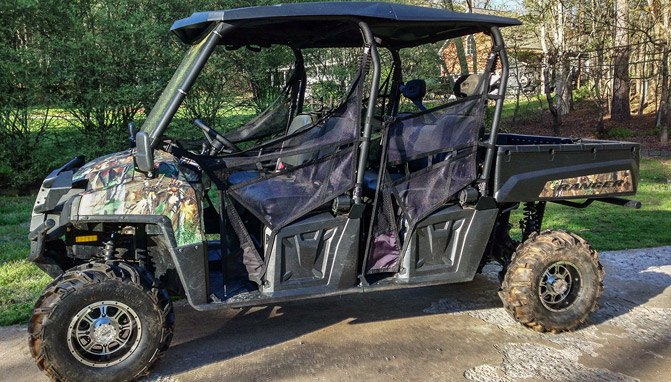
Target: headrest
414, 89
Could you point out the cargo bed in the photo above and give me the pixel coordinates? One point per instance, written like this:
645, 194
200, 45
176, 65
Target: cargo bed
532, 168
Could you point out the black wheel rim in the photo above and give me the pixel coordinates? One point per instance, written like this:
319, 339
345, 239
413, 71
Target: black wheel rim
559, 286
104, 333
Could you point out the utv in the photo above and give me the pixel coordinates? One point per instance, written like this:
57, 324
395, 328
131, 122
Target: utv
375, 193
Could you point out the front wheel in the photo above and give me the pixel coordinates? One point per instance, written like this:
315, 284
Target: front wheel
553, 282
106, 322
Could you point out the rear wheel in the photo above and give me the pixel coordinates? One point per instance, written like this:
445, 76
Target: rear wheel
107, 322
553, 282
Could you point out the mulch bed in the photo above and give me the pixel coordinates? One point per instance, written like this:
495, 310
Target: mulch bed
583, 121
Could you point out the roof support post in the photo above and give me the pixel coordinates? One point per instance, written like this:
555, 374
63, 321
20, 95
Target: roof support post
369, 41
300, 99
500, 98
396, 80
180, 84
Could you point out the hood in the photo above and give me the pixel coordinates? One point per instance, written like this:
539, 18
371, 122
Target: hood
107, 171
119, 168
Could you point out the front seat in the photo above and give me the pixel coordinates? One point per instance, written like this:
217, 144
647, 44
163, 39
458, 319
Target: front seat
297, 123
300, 121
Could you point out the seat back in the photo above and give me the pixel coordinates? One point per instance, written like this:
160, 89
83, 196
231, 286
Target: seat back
297, 123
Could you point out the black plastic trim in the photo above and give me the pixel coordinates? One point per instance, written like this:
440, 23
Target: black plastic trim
190, 261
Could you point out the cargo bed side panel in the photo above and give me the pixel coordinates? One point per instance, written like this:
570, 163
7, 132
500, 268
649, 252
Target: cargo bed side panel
540, 169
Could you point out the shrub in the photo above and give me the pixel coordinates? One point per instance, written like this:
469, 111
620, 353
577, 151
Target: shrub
621, 132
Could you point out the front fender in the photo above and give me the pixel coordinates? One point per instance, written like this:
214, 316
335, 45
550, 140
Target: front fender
190, 261
175, 192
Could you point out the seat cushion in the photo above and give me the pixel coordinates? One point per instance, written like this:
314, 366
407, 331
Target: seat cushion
370, 179
242, 176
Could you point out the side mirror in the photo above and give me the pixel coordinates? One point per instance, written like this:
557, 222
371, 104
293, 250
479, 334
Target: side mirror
144, 156
132, 132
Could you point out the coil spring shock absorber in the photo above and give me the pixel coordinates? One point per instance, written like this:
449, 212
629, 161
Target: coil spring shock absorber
533, 218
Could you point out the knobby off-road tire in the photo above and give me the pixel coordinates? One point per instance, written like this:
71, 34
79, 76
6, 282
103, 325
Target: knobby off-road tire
553, 282
114, 298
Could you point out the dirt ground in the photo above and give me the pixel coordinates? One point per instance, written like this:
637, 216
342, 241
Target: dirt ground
583, 122
445, 333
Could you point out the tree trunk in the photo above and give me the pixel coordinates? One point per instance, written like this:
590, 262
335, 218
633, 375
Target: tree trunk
556, 116
563, 86
563, 81
547, 81
643, 81
459, 45
664, 118
620, 108
598, 80
578, 75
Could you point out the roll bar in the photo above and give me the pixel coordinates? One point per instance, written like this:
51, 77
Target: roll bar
371, 46
499, 47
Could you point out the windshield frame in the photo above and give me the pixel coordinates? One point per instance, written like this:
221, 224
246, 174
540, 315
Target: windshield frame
181, 82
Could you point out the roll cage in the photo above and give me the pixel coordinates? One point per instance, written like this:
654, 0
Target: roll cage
379, 25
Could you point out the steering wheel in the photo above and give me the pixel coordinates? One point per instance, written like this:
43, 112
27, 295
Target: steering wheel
218, 141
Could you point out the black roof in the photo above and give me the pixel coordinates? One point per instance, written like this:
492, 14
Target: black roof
329, 24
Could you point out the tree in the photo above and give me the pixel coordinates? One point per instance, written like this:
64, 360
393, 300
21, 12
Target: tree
660, 11
25, 30
552, 19
621, 109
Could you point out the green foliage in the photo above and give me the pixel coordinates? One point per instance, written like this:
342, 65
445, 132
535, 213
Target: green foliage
330, 73
24, 83
581, 93
112, 61
262, 72
421, 62
620, 132
214, 90
327, 91
98, 63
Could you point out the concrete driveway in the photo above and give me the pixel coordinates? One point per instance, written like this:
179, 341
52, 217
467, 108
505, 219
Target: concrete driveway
451, 332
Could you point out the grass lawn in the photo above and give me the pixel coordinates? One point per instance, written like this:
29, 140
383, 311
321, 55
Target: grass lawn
607, 227
21, 282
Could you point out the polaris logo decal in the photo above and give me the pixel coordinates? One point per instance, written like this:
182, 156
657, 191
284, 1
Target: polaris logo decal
617, 182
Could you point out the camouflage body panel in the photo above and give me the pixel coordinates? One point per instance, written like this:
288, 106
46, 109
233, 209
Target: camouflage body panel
99, 172
618, 182
114, 188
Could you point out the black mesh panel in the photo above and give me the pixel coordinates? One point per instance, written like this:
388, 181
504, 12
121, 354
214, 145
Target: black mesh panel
279, 199
433, 132
436, 151
420, 194
282, 193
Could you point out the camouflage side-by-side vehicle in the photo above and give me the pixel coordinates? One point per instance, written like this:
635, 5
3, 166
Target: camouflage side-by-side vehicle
374, 193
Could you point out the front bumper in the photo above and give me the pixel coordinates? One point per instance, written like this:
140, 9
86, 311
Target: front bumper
51, 217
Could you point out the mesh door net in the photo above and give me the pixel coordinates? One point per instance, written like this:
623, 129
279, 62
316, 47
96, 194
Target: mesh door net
438, 153
278, 193
431, 156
